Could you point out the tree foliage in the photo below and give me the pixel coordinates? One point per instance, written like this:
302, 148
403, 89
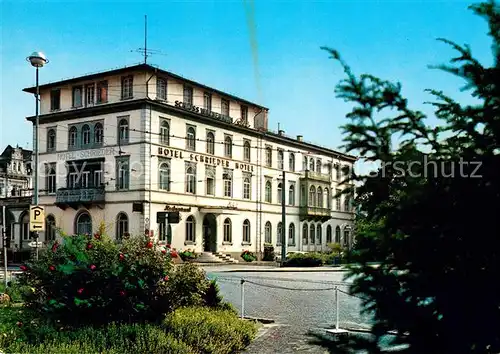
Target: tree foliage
430, 211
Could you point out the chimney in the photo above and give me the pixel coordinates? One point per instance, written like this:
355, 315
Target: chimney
300, 138
281, 132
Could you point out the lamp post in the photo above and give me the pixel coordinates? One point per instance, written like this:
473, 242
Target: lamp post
38, 60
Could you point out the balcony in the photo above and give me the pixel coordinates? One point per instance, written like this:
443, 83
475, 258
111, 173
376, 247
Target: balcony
314, 213
74, 198
317, 176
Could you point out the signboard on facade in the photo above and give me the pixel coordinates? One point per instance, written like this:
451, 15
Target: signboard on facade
85, 154
37, 218
205, 112
177, 208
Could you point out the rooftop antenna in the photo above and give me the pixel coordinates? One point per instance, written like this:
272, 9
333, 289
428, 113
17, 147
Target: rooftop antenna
145, 51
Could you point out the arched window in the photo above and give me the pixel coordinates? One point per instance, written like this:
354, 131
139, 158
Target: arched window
85, 135
25, 226
83, 224
291, 162
51, 139
210, 143
190, 180
123, 130
121, 226
291, 234
268, 233
164, 177
98, 133
318, 165
246, 188
319, 234
347, 203
328, 234
320, 197
312, 196
190, 229
291, 195
279, 234
281, 160
165, 132
228, 147
228, 237
304, 164
50, 232
347, 236
268, 192
327, 198
279, 195
312, 233
305, 238
73, 136
246, 151
269, 156
311, 165
50, 179
191, 139
337, 234
246, 231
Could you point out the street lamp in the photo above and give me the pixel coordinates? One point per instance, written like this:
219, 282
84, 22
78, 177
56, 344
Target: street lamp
38, 60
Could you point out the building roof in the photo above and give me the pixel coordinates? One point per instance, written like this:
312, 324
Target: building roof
6, 155
138, 67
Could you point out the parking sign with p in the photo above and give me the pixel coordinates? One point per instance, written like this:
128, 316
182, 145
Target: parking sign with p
37, 218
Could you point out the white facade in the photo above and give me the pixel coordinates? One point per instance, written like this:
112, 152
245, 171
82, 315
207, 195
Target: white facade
141, 151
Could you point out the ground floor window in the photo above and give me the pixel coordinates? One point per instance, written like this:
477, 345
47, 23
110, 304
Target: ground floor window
121, 226
83, 224
165, 233
50, 231
227, 231
190, 229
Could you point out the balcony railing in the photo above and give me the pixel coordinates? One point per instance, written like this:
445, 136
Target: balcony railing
317, 176
314, 212
79, 195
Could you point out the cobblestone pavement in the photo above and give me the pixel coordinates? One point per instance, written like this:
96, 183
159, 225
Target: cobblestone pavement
297, 301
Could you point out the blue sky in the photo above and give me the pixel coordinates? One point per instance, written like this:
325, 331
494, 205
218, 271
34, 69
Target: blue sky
209, 41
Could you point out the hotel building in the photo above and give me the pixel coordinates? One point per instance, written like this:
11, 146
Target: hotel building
122, 147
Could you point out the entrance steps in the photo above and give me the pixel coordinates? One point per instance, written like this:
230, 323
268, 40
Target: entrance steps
225, 257
215, 257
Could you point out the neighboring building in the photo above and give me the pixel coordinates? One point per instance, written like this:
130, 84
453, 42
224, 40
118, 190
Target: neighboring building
122, 145
15, 195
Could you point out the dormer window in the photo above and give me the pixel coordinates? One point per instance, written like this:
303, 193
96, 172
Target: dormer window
161, 89
55, 100
127, 87
77, 96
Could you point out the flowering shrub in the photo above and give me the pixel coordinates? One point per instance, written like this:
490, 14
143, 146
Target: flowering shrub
92, 280
248, 256
188, 255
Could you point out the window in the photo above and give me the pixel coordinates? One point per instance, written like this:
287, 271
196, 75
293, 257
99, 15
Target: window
50, 232
210, 143
337, 234
279, 234
224, 107
84, 179
311, 165
328, 234
347, 241
191, 138
227, 177
210, 179
318, 234
291, 162
98, 133
318, 166
123, 131
89, 95
121, 226
102, 92
97, 182
207, 101
72, 181
51, 140
227, 230
268, 194
291, 195
73, 136
312, 196
312, 232
127, 87
244, 114
338, 197
246, 151
164, 131
164, 177
268, 233
228, 147
304, 234
320, 197
55, 100
25, 226
161, 89
86, 135
246, 231
279, 195
347, 203
190, 178
77, 96
190, 229
50, 179
280, 159
327, 198
291, 234
123, 173
269, 156
188, 95
83, 225
165, 233
247, 191
304, 163
337, 173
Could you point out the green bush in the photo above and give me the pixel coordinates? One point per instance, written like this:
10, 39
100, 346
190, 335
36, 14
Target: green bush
268, 252
14, 290
210, 331
188, 255
248, 256
304, 260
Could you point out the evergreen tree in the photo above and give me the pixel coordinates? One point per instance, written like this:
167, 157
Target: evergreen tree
431, 212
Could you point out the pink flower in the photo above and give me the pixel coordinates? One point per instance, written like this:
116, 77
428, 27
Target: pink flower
89, 245
166, 278
122, 256
97, 236
92, 267
164, 251
52, 268
23, 268
122, 293
79, 291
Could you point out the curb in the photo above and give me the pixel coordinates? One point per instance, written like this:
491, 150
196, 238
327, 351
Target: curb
278, 270
258, 319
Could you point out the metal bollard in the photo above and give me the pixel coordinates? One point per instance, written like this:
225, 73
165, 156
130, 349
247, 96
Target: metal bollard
242, 298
